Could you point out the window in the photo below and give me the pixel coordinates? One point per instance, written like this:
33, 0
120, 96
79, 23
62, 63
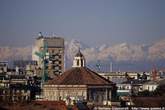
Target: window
57, 68
56, 62
60, 67
59, 56
81, 62
77, 62
59, 62
152, 88
56, 57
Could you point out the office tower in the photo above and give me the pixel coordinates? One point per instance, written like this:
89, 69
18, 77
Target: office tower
54, 55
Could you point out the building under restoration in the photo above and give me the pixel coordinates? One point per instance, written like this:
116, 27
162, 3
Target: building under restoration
54, 56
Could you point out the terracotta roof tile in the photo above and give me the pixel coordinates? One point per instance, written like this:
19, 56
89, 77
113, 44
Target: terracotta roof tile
79, 76
149, 101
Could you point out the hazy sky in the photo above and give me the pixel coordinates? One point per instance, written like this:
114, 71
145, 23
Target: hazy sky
93, 22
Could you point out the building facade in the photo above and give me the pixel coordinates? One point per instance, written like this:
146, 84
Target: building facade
55, 53
80, 84
3, 67
150, 85
14, 88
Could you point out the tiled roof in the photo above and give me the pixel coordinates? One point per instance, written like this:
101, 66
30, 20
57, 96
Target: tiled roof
34, 105
80, 76
52, 105
149, 101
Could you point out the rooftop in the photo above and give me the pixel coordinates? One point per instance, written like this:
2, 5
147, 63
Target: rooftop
149, 101
80, 76
79, 54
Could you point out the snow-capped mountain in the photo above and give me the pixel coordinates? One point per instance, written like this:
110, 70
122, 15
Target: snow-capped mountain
125, 56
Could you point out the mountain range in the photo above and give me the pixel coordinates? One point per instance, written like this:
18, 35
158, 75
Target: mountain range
122, 57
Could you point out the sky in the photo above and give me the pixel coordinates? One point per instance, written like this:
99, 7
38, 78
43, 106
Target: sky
93, 22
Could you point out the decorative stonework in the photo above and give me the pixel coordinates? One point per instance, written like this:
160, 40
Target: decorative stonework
79, 83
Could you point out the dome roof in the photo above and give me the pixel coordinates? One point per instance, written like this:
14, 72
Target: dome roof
80, 76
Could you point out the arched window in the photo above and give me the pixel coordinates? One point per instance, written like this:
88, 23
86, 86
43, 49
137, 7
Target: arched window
77, 62
81, 62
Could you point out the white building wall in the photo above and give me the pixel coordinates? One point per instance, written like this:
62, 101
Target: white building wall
149, 87
52, 92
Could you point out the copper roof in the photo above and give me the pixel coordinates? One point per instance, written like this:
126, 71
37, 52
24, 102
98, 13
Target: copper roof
79, 76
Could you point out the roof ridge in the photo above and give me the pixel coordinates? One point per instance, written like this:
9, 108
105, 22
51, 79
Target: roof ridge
80, 75
93, 72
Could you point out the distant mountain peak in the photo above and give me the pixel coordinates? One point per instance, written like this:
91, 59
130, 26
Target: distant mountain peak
123, 52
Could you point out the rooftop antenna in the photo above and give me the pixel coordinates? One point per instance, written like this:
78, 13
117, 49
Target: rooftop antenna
111, 67
78, 45
98, 66
78, 48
